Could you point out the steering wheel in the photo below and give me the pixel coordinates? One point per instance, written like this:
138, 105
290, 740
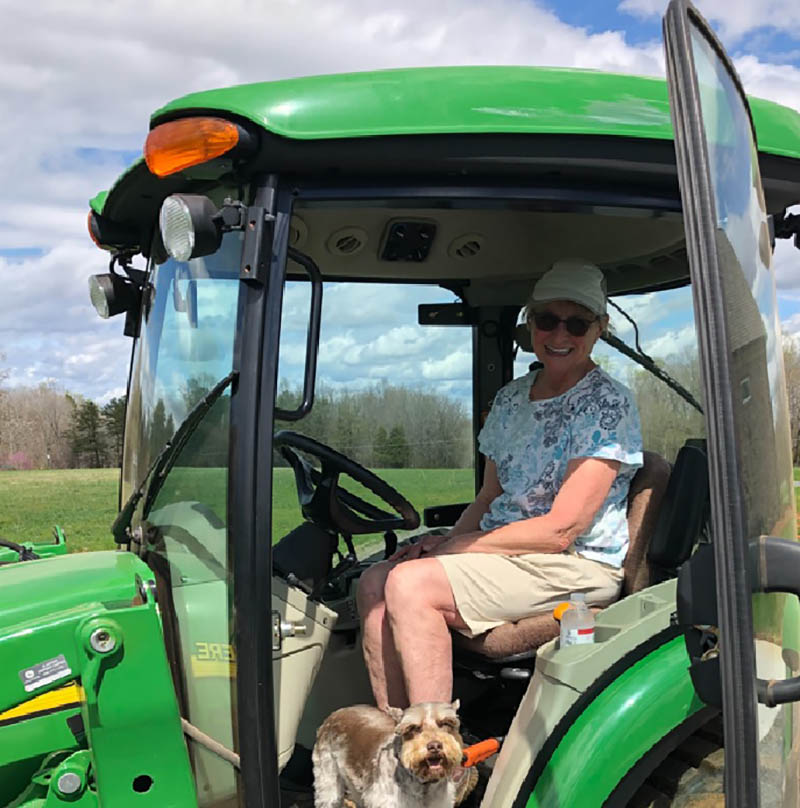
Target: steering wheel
330, 507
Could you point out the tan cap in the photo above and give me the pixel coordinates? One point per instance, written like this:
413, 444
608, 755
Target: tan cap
575, 280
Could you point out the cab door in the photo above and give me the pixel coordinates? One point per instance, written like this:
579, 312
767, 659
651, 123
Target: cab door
750, 467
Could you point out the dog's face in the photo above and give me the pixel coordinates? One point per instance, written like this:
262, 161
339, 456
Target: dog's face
430, 745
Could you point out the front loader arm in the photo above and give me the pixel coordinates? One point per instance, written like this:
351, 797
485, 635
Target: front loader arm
86, 696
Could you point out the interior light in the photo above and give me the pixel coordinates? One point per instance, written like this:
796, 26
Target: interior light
187, 142
190, 226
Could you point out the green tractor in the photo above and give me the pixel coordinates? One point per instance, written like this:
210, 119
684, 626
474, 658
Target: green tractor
193, 666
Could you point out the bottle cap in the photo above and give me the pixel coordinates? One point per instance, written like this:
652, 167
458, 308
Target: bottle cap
558, 612
580, 597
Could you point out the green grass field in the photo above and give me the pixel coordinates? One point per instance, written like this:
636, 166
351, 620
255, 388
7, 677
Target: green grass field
84, 501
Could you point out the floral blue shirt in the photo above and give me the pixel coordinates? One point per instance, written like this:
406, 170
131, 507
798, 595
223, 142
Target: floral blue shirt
531, 443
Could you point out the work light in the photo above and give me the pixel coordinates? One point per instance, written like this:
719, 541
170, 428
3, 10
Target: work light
190, 226
112, 294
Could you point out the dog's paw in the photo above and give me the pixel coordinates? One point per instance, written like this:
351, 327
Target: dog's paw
395, 713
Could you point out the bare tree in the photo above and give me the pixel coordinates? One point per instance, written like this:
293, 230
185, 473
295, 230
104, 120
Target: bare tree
791, 364
35, 427
667, 419
431, 429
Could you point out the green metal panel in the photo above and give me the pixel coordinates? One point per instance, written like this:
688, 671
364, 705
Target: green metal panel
624, 721
72, 771
25, 743
132, 717
526, 100
49, 612
35, 588
34, 737
97, 202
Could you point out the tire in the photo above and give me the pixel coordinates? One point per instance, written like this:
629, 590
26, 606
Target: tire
684, 770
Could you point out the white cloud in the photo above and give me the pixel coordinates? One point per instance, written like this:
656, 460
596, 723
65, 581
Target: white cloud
456, 365
406, 340
680, 343
776, 82
49, 329
733, 18
80, 80
791, 325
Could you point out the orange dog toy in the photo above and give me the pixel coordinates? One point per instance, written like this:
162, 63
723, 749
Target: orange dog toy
479, 751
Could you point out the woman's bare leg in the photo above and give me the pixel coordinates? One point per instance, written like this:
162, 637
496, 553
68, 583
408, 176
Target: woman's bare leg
380, 654
421, 610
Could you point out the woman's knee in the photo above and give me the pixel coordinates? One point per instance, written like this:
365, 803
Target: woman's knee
410, 585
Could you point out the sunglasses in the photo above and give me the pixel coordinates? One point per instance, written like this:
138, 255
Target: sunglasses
576, 326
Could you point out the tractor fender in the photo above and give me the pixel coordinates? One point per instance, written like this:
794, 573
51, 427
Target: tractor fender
641, 700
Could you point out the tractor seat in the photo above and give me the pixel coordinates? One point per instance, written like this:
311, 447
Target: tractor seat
512, 642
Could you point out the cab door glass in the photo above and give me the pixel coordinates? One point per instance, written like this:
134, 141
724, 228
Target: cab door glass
756, 379
743, 242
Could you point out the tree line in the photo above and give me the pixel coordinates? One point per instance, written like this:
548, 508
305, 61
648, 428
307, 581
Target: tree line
44, 427
386, 426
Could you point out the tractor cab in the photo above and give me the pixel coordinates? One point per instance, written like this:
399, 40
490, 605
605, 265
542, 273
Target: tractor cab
335, 275
323, 281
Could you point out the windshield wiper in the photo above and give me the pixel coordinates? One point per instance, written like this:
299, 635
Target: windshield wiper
641, 358
647, 362
160, 468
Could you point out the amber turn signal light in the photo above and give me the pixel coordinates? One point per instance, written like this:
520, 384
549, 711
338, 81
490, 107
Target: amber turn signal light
187, 142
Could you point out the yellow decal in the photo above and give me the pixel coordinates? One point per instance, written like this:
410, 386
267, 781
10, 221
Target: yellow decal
62, 698
213, 659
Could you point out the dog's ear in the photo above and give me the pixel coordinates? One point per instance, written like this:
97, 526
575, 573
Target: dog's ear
395, 713
455, 705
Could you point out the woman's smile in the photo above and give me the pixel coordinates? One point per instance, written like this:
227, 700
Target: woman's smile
566, 357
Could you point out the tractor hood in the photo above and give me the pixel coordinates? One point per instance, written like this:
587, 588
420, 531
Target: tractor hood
33, 589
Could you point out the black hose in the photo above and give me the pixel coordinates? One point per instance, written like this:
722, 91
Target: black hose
24, 553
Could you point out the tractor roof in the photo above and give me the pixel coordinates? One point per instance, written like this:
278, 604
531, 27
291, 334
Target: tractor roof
333, 123
459, 100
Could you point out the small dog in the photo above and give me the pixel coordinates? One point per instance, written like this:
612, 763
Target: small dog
395, 759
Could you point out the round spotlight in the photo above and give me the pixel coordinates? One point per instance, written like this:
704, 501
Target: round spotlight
177, 233
112, 294
190, 226
100, 291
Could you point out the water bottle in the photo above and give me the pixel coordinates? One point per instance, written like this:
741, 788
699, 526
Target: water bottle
577, 622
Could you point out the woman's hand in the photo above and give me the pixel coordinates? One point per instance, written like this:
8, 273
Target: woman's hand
425, 546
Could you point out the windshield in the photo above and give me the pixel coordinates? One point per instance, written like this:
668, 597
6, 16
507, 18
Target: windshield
185, 348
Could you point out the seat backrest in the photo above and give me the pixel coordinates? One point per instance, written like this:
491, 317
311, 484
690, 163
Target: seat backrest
645, 497
684, 512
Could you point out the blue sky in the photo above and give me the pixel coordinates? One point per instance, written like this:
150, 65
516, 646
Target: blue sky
80, 81
604, 15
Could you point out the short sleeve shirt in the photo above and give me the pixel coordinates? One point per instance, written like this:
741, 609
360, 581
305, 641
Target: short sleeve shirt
531, 443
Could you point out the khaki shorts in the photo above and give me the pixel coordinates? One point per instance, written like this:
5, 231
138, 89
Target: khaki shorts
492, 589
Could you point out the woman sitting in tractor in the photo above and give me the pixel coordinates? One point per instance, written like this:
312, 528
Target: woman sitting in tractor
562, 444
